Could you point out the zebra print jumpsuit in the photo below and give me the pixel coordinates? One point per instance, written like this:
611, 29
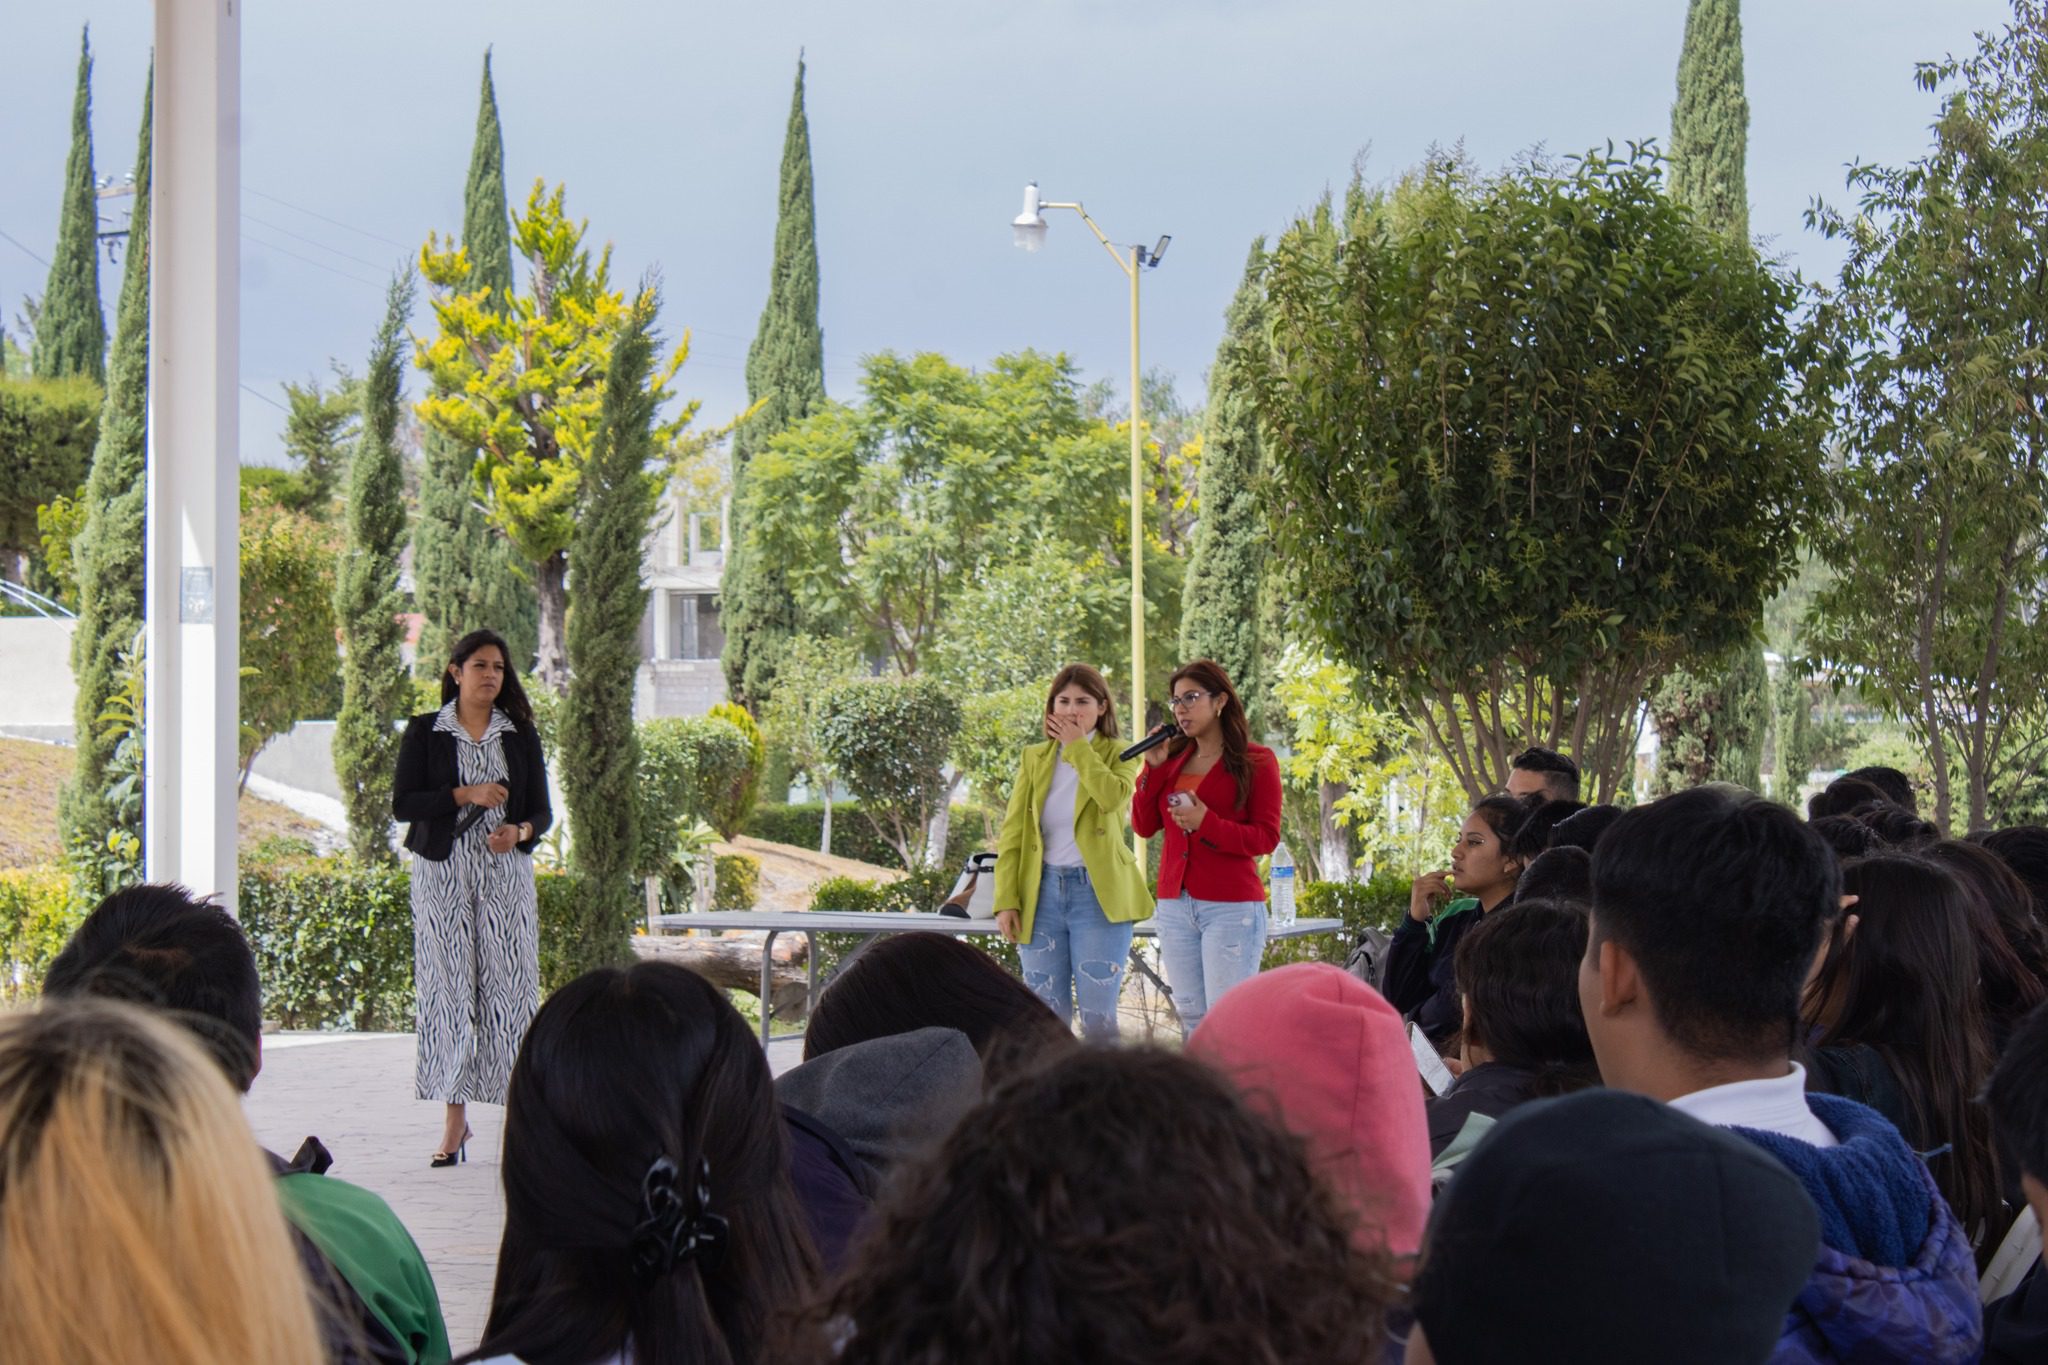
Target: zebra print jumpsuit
476, 943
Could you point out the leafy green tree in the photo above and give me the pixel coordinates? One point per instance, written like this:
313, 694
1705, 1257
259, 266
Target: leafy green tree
1712, 727
1017, 621
886, 514
1939, 495
59, 522
1537, 438
289, 662
794, 713
786, 378
463, 572
1710, 119
375, 691
107, 556
47, 431
1220, 607
521, 379
71, 331
1713, 713
320, 428
1381, 795
600, 747
889, 739
995, 728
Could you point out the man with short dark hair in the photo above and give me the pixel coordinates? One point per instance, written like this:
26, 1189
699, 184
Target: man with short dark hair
1708, 910
1545, 773
159, 947
2016, 1326
1896, 786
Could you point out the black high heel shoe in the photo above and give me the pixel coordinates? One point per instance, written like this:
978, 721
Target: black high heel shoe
461, 1152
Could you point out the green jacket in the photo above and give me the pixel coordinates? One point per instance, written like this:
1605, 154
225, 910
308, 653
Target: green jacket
367, 1245
1102, 813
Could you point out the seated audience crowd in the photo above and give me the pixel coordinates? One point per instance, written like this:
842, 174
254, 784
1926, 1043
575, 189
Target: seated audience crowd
1727, 1085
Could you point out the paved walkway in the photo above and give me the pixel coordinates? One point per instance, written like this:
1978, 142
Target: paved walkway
354, 1091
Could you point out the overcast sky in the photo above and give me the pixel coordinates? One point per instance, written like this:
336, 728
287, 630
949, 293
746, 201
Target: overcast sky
1210, 121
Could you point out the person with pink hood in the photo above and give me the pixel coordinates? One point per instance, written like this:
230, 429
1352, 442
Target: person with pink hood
1327, 1057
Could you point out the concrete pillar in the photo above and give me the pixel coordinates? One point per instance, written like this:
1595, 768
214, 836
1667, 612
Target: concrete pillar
193, 618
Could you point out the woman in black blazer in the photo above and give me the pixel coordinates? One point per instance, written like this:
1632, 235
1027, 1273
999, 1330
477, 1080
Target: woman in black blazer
472, 788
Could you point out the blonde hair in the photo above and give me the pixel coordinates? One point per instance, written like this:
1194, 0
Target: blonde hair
138, 1218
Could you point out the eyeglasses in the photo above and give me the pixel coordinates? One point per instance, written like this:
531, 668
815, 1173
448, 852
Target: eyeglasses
1187, 699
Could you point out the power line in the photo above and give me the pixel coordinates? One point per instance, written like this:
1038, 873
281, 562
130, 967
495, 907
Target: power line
254, 393
26, 252
317, 265
310, 241
374, 236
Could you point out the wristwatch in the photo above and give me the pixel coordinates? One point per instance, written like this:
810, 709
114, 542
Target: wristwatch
525, 830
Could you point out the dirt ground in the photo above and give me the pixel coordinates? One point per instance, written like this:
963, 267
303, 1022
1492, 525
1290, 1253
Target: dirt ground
31, 775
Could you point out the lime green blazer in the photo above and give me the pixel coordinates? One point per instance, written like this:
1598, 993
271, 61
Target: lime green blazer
1102, 812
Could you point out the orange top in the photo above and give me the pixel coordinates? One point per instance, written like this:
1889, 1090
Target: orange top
1187, 782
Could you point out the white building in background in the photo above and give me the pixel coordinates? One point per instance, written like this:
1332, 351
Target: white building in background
682, 635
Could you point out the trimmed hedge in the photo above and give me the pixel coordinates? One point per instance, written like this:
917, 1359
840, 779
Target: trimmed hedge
1377, 904
853, 837
736, 881
918, 891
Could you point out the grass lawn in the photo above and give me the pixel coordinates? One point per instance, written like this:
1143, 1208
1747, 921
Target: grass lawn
31, 775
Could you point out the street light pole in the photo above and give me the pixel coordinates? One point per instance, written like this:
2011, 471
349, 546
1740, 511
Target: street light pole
1029, 228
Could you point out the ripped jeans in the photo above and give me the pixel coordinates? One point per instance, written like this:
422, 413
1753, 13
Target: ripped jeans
1207, 947
1075, 955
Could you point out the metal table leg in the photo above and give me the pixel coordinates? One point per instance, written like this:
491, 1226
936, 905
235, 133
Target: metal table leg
768, 988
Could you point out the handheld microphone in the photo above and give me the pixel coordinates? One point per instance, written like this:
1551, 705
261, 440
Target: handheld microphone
1151, 741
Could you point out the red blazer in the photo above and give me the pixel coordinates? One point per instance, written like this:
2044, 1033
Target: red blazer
1217, 864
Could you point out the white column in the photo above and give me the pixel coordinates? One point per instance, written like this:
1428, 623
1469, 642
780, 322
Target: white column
657, 602
193, 661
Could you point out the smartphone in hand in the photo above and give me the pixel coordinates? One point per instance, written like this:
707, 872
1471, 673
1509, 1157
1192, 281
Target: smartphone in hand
1428, 1061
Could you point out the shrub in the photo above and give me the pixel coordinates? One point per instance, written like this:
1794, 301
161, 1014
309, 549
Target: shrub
1377, 904
37, 915
798, 824
736, 881
917, 891
333, 945
888, 739
734, 801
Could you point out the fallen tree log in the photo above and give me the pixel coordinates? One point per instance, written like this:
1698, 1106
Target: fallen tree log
734, 964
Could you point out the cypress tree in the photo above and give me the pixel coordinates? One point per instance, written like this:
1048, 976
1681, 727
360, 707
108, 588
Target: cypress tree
465, 576
786, 375
107, 556
1220, 601
1710, 119
600, 748
1713, 715
367, 602
71, 331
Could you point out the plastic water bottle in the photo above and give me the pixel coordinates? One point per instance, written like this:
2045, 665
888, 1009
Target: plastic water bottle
1283, 887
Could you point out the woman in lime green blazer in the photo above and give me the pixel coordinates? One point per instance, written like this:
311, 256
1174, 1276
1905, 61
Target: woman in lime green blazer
1068, 887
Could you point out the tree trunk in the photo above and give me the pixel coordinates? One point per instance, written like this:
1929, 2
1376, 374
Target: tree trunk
1335, 856
734, 964
825, 829
551, 585
940, 827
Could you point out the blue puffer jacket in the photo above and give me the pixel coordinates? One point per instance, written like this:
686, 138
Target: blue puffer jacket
1895, 1281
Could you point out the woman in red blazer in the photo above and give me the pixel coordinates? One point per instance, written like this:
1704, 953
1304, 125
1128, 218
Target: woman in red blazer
1217, 796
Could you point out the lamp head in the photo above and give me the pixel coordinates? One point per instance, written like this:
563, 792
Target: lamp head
1160, 249
1027, 229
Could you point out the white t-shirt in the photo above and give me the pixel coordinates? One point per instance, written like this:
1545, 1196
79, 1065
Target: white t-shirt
1769, 1106
1056, 817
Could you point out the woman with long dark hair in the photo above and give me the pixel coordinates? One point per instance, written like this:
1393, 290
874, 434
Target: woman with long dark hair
1115, 1205
649, 1216
472, 788
1444, 906
1524, 1035
1068, 889
1898, 1024
2012, 944
1217, 796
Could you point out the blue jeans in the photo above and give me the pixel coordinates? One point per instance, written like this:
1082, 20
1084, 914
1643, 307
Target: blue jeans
1207, 947
1075, 956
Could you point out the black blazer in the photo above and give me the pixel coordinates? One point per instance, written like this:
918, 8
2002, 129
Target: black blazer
423, 791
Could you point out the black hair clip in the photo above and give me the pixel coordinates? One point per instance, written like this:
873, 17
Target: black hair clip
671, 1231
